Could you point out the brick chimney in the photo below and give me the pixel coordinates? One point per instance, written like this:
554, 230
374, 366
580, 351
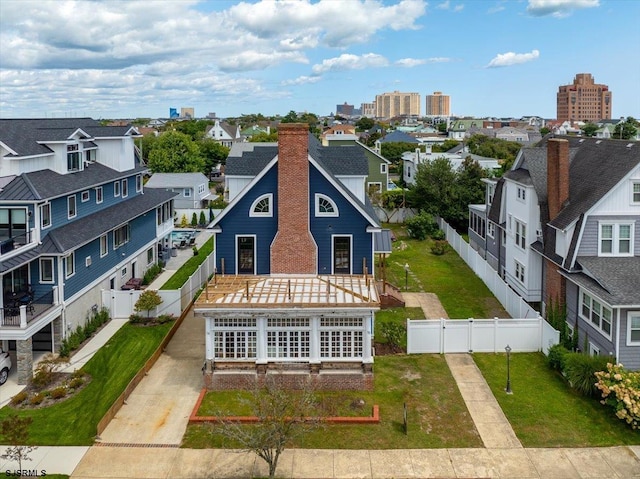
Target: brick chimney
293, 250
557, 175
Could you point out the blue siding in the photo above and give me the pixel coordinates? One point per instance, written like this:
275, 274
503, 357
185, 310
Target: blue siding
589, 240
350, 222
238, 222
143, 230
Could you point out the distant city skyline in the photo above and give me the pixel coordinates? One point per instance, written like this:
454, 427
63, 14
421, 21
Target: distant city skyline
496, 58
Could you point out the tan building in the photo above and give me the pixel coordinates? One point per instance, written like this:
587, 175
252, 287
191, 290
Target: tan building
391, 105
187, 112
584, 100
438, 104
368, 109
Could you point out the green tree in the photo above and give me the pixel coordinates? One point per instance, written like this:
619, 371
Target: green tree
291, 117
435, 189
148, 300
503, 150
15, 431
373, 137
627, 129
544, 131
265, 137
364, 124
146, 144
589, 129
445, 146
213, 153
393, 151
175, 152
469, 182
442, 127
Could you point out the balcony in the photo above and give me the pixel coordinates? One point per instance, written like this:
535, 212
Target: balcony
14, 245
20, 314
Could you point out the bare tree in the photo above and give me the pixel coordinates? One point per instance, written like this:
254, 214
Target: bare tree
16, 432
283, 416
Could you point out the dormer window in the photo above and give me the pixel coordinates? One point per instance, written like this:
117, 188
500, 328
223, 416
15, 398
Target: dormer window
522, 193
262, 206
635, 192
73, 158
325, 206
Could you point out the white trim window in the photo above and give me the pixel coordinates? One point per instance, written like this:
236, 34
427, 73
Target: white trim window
288, 338
99, 195
84, 196
116, 188
104, 246
234, 338
633, 328
341, 338
635, 192
594, 311
46, 270
186, 192
138, 183
125, 188
325, 206
521, 234
121, 236
72, 209
73, 158
491, 229
45, 215
150, 256
615, 239
522, 194
383, 168
70, 265
262, 206
519, 271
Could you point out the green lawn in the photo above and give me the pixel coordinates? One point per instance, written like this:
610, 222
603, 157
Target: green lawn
462, 294
73, 422
437, 415
182, 275
544, 411
395, 315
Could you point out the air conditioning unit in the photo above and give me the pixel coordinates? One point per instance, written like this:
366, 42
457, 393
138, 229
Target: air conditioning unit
87, 261
539, 233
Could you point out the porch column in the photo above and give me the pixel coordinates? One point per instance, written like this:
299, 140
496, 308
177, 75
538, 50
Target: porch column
56, 327
261, 341
314, 341
367, 340
24, 360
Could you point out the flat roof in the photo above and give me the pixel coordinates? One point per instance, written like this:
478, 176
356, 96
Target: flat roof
290, 291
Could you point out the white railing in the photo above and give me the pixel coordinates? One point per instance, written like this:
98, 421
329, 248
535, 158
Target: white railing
479, 335
509, 299
121, 303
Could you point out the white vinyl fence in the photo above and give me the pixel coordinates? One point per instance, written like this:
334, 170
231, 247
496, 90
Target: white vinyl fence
479, 335
510, 300
121, 303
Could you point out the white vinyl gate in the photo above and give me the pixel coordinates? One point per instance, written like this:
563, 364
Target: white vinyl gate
479, 335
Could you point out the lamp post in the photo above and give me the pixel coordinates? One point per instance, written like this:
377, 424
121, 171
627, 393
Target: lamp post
406, 276
508, 388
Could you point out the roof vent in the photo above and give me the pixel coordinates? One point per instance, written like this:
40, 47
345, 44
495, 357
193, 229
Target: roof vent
581, 140
598, 142
629, 145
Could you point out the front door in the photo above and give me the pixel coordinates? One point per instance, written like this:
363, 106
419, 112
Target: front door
246, 255
341, 255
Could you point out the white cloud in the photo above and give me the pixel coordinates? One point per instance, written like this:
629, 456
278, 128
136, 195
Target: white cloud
446, 5
496, 9
410, 62
558, 8
511, 58
348, 61
458, 8
302, 80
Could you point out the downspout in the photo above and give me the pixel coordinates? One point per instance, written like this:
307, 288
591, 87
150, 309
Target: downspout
617, 343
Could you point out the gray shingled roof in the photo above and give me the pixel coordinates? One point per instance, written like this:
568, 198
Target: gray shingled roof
494, 209
43, 184
614, 280
22, 135
175, 180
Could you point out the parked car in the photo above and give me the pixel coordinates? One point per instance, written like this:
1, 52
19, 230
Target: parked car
5, 366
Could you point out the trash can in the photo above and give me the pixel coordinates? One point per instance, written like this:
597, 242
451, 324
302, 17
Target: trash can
174, 251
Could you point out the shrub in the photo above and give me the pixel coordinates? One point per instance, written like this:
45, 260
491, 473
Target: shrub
137, 319
58, 392
165, 318
203, 219
621, 390
19, 398
76, 338
219, 203
37, 399
439, 247
184, 222
394, 334
580, 371
194, 219
152, 273
75, 383
556, 357
421, 226
45, 370
438, 235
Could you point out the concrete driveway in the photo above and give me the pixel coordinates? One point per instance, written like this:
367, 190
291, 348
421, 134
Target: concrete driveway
158, 410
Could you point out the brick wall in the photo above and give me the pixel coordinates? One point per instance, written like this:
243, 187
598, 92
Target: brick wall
293, 250
555, 283
557, 175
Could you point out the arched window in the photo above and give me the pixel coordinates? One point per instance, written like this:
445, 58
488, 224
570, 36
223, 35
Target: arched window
262, 206
325, 206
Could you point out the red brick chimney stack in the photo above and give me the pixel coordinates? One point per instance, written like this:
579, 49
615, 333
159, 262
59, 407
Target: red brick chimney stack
557, 175
293, 250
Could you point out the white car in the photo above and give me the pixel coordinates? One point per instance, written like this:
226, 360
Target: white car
5, 366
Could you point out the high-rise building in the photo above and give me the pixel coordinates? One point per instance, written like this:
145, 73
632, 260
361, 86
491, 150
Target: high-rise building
438, 104
584, 100
391, 105
187, 112
368, 109
344, 109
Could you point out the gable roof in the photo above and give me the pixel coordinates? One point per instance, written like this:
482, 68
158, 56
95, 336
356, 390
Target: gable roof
44, 184
398, 137
175, 180
614, 280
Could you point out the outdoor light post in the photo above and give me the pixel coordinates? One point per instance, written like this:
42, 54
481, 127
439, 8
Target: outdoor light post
508, 388
406, 276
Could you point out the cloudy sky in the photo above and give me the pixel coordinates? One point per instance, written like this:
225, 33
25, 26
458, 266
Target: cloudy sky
138, 58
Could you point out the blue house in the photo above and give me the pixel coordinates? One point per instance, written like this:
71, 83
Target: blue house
294, 257
74, 220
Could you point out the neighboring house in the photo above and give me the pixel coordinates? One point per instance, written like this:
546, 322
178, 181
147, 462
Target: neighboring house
223, 133
567, 227
294, 256
412, 159
339, 132
192, 188
74, 220
255, 130
398, 137
377, 180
